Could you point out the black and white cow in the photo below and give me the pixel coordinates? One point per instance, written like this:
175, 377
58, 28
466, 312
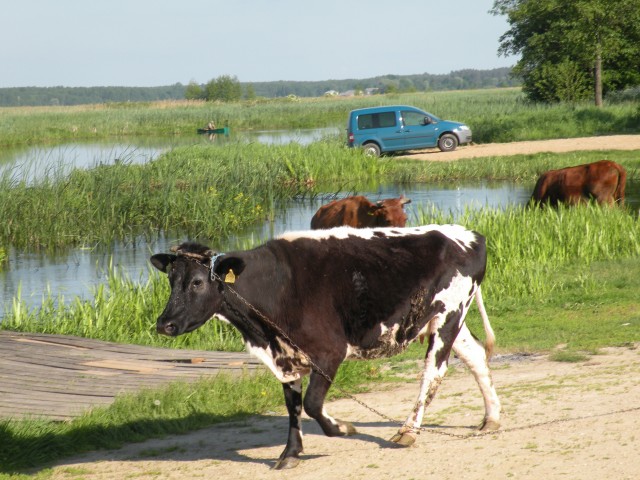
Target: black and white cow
338, 294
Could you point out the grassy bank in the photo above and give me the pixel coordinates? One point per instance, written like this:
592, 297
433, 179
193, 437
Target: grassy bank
215, 191
202, 191
528, 249
494, 115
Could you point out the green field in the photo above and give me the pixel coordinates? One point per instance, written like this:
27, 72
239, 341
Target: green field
566, 277
494, 115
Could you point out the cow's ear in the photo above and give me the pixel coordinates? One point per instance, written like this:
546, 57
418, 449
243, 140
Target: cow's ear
162, 261
227, 264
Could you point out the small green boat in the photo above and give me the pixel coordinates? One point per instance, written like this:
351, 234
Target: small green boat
208, 131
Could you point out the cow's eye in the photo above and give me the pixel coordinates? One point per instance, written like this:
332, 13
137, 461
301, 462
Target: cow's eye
197, 283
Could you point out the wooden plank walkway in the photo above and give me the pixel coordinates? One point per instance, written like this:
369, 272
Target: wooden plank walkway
60, 376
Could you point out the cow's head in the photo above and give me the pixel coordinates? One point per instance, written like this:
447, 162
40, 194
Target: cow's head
390, 212
196, 292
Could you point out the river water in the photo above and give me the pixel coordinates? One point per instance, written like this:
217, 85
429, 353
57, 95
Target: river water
80, 271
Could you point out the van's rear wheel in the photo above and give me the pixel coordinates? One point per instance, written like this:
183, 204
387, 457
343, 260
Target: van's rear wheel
447, 142
371, 149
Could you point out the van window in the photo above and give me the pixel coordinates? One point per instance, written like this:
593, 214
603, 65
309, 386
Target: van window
377, 120
410, 118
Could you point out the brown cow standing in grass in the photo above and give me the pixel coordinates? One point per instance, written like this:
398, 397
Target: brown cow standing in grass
604, 181
359, 212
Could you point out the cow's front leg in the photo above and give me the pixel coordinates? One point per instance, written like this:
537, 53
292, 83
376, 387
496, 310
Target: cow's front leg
290, 457
314, 406
435, 368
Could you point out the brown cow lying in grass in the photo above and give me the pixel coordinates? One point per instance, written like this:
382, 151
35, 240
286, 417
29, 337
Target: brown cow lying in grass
358, 212
602, 181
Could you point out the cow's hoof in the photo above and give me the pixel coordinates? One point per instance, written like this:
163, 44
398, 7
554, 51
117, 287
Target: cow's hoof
489, 425
286, 463
347, 428
404, 439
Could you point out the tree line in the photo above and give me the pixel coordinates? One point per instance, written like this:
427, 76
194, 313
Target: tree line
229, 88
35, 96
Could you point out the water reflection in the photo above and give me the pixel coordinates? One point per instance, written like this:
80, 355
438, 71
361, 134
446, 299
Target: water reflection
35, 163
76, 273
38, 163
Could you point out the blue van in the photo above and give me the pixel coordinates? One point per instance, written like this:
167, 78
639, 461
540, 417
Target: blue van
401, 127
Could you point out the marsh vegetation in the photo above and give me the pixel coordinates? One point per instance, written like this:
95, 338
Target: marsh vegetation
494, 115
565, 276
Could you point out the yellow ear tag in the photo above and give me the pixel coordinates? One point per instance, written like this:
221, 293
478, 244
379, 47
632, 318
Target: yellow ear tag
230, 277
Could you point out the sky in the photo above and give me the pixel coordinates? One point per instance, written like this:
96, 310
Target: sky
145, 43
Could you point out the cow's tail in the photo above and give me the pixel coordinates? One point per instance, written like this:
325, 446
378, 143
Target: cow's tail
622, 181
490, 340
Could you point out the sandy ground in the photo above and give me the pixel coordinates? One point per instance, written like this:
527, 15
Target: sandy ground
610, 142
560, 420
569, 421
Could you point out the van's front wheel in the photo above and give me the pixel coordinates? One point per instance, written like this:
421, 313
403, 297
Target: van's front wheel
371, 149
447, 142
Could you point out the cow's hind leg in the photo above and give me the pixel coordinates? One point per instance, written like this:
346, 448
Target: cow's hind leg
314, 406
475, 358
290, 457
441, 335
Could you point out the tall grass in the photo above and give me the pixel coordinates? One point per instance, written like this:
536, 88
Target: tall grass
526, 246
494, 115
122, 310
523, 169
214, 191
201, 191
526, 250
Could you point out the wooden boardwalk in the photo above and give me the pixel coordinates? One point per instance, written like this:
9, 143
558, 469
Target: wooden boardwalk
59, 376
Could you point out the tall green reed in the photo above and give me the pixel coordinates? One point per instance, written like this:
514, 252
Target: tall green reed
201, 191
213, 191
527, 246
122, 310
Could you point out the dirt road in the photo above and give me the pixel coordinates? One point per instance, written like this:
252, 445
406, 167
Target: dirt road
610, 142
561, 421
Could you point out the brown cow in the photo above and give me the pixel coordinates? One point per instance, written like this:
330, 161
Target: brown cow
603, 181
359, 212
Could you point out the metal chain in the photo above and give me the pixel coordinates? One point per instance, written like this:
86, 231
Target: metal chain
321, 372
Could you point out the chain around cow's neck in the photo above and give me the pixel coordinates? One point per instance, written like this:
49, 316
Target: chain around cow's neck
212, 266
